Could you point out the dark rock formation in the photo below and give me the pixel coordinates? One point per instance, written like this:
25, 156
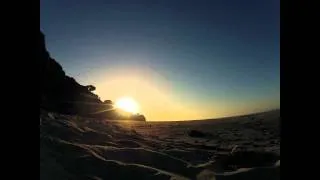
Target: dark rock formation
63, 94
197, 134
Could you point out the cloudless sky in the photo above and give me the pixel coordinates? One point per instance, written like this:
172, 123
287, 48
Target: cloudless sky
180, 60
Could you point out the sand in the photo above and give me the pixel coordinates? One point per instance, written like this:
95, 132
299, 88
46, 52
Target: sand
246, 147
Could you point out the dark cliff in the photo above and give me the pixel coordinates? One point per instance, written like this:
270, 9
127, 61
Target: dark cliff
63, 94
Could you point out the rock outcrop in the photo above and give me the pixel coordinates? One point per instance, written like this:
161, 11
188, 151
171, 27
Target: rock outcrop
63, 94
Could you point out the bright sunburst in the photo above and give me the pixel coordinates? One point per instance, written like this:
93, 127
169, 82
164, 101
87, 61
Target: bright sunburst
127, 104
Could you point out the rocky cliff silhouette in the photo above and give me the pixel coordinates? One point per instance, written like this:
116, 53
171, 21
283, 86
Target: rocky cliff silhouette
63, 94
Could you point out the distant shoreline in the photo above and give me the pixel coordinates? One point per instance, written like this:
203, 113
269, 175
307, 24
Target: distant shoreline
220, 118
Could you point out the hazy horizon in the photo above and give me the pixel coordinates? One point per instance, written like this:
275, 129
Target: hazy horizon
181, 60
217, 118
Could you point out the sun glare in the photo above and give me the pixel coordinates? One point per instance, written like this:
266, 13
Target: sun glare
127, 104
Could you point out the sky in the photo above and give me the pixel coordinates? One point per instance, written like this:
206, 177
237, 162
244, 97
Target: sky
179, 59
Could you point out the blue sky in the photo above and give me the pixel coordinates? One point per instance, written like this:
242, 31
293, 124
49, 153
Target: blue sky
208, 53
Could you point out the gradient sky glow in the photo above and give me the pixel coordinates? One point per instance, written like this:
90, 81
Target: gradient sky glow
180, 60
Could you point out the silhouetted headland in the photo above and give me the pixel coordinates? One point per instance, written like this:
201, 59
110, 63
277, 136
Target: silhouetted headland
63, 94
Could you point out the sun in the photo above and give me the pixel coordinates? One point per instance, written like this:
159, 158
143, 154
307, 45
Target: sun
127, 104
